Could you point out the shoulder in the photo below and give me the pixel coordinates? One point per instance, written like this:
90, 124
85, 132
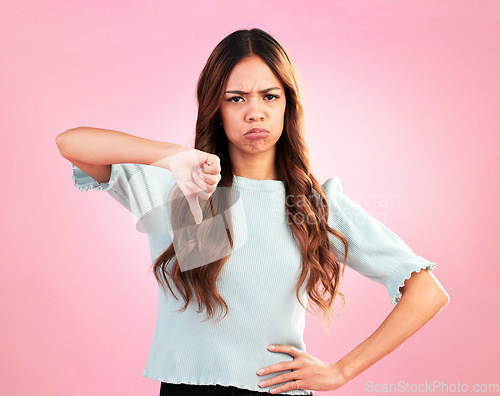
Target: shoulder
331, 186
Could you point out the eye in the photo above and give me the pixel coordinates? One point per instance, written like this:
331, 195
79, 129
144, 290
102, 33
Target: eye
272, 96
234, 97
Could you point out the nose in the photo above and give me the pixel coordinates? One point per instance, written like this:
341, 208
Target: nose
255, 112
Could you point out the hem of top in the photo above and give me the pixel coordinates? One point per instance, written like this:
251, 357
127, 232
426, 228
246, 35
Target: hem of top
262, 390
395, 299
95, 185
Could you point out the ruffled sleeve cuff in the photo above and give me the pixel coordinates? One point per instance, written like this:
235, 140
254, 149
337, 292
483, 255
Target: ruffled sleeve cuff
84, 182
404, 272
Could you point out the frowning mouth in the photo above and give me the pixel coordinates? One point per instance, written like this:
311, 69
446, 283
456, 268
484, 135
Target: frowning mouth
257, 131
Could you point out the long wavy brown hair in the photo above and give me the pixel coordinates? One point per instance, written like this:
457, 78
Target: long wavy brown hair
320, 266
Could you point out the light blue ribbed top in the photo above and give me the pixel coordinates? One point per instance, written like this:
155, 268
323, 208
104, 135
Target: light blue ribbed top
258, 281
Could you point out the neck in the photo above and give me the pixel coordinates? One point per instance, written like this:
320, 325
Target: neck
259, 166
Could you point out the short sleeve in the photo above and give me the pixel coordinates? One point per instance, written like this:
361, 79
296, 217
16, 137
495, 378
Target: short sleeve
374, 250
142, 189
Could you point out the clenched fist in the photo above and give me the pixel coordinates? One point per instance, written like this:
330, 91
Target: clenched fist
196, 173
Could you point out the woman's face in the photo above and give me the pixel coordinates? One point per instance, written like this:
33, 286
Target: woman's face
253, 98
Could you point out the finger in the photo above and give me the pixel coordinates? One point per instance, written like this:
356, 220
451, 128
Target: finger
284, 388
279, 379
204, 187
208, 178
194, 206
204, 195
291, 350
213, 160
281, 366
195, 188
212, 166
212, 172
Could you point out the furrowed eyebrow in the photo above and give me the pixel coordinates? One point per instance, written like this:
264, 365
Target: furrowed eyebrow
246, 93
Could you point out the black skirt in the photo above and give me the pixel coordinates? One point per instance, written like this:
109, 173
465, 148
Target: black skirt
169, 389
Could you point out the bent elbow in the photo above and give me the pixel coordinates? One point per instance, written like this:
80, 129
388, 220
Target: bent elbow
62, 141
445, 297
440, 295
440, 298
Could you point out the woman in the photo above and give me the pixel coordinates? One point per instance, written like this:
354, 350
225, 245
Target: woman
268, 237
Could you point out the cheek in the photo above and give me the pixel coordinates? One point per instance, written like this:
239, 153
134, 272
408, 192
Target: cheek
224, 110
227, 115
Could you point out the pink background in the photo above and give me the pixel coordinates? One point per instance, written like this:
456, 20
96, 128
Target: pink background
401, 100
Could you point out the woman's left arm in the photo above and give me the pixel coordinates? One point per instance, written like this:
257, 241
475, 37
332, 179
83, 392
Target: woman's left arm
422, 298
379, 254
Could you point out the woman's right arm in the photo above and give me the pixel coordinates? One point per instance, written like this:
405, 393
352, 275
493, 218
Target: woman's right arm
93, 150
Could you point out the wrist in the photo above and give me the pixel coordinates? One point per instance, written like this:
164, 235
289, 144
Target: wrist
345, 371
337, 376
164, 152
